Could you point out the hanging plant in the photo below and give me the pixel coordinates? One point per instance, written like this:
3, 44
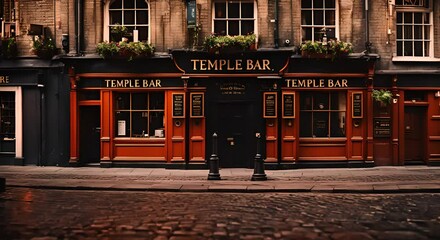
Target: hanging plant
9, 47
383, 96
44, 47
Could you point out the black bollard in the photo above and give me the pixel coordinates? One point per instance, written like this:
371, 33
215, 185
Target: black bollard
214, 172
259, 174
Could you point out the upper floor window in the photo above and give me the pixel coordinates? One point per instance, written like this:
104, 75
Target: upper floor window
414, 28
132, 15
318, 17
234, 17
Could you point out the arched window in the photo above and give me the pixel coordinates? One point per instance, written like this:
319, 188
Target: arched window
234, 17
127, 18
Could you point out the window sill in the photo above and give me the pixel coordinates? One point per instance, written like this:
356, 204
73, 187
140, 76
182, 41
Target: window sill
415, 59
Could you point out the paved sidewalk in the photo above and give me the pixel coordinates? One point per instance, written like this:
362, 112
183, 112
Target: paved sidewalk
407, 179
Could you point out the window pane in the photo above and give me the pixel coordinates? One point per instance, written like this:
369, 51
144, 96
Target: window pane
142, 33
128, 4
331, 33
122, 101
247, 10
330, 4
399, 48
306, 127
139, 101
142, 17
427, 32
330, 18
156, 122
320, 101
7, 121
337, 124
140, 124
157, 100
407, 30
320, 124
116, 4
220, 10
233, 28
318, 3
128, 17
115, 17
317, 34
141, 4
233, 10
418, 32
426, 48
407, 46
220, 27
418, 18
306, 101
426, 18
306, 34
306, 17
407, 18
318, 17
399, 17
418, 48
399, 32
306, 3
247, 27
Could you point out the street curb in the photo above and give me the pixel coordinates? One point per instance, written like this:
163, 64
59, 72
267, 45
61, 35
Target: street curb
219, 189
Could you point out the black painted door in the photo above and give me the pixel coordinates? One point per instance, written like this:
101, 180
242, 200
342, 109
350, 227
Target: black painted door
90, 131
235, 135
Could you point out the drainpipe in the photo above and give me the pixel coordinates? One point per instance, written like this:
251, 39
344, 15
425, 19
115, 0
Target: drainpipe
367, 29
275, 31
78, 25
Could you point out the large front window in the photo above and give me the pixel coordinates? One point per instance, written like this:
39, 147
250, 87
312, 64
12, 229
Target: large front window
318, 17
322, 114
132, 14
414, 26
139, 115
234, 17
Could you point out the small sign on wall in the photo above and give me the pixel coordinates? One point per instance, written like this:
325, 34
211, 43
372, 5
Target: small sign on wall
357, 105
178, 105
270, 105
288, 105
197, 105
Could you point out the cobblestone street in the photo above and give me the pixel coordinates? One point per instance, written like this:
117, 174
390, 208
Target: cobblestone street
63, 214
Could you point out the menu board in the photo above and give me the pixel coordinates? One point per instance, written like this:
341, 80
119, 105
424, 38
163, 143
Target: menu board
178, 105
288, 105
357, 109
197, 106
270, 105
382, 127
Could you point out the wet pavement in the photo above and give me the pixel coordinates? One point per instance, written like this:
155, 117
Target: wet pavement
29, 213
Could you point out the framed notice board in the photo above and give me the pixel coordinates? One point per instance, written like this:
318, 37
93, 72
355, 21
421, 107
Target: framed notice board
197, 105
270, 105
178, 105
288, 105
357, 105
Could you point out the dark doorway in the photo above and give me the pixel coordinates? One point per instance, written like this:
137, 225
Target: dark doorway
90, 132
236, 136
415, 135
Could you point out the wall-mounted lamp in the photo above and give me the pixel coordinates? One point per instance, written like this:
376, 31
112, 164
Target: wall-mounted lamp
437, 94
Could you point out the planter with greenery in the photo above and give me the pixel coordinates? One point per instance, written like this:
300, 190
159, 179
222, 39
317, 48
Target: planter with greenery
331, 49
125, 50
230, 44
382, 96
44, 47
9, 48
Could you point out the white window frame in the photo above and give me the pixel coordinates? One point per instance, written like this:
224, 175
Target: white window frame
227, 19
18, 119
106, 32
416, 9
321, 26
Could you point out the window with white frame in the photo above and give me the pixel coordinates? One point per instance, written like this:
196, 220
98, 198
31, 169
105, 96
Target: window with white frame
318, 17
413, 28
234, 17
128, 18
